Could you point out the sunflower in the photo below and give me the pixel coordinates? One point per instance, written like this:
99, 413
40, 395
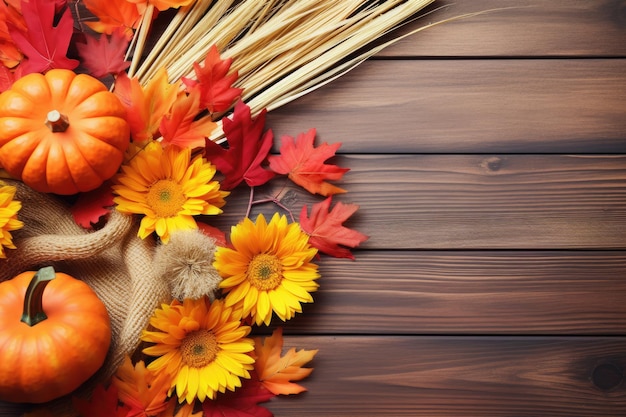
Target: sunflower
267, 269
168, 188
202, 345
8, 217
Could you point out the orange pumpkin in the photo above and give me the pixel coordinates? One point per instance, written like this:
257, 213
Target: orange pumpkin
54, 334
62, 132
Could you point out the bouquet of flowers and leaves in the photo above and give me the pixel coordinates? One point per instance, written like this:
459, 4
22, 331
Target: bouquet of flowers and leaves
124, 126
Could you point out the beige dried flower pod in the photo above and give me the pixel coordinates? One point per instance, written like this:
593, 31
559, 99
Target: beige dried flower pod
186, 264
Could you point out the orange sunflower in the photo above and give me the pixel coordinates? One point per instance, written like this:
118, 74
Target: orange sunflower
268, 269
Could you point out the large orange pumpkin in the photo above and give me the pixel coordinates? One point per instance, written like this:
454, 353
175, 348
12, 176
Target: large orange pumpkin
62, 132
54, 334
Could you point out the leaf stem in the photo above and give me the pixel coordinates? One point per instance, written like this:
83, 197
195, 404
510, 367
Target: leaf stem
273, 199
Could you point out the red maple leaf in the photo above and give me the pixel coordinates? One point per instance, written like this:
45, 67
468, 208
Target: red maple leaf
247, 149
91, 206
44, 45
103, 403
326, 231
180, 126
243, 402
214, 82
104, 55
213, 232
304, 163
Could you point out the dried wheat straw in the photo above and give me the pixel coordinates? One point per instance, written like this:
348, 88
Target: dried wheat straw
281, 49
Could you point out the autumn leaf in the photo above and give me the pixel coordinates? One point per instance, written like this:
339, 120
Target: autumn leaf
113, 14
91, 206
104, 55
44, 45
243, 402
142, 390
277, 372
6, 78
247, 149
180, 128
163, 5
147, 105
9, 54
213, 232
304, 163
214, 82
326, 231
103, 403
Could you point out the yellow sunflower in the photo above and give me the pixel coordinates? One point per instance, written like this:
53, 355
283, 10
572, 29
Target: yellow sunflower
8, 217
267, 269
201, 345
168, 188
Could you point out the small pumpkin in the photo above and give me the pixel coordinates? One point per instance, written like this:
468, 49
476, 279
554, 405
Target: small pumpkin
62, 132
54, 334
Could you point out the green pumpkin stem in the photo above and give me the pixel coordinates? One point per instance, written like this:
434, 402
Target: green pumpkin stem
33, 307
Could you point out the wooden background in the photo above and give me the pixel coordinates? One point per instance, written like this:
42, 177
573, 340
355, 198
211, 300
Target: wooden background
488, 157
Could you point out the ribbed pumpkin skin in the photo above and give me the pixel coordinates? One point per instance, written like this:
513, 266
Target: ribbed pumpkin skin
78, 159
53, 357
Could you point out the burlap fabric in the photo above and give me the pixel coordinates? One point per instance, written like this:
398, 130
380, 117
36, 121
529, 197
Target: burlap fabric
113, 261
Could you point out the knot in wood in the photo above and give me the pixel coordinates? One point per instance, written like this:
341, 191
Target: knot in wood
607, 376
492, 164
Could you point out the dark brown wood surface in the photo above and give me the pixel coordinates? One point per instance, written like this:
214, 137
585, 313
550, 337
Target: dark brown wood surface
488, 158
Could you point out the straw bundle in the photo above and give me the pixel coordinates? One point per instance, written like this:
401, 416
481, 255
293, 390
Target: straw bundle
281, 49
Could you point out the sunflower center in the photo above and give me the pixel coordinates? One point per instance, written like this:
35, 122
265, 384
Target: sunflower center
199, 348
166, 198
265, 272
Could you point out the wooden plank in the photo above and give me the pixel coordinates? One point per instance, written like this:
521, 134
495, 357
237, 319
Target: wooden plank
519, 28
476, 106
461, 376
473, 201
413, 292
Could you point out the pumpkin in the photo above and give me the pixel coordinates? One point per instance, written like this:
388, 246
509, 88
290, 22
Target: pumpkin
62, 132
54, 334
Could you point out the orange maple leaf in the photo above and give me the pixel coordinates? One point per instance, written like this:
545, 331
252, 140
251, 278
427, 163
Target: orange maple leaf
113, 14
275, 371
180, 128
147, 105
140, 389
304, 164
163, 5
10, 55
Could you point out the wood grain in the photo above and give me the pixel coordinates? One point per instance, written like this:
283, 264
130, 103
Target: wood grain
461, 376
460, 292
518, 28
474, 201
469, 106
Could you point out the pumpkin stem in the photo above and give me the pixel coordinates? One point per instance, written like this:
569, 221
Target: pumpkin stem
57, 122
33, 307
